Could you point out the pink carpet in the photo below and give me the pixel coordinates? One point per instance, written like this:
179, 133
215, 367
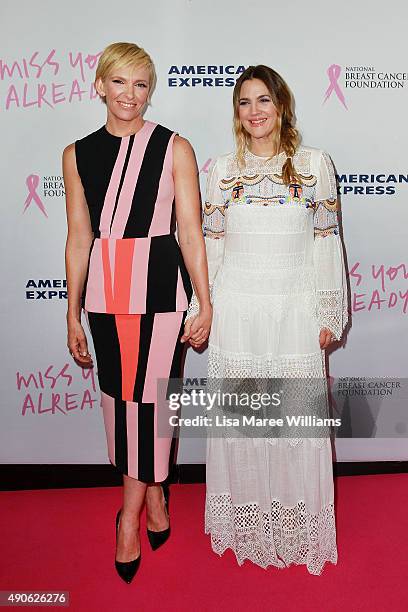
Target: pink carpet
64, 540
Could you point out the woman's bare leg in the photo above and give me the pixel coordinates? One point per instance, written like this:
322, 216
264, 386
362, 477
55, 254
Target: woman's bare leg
128, 543
156, 515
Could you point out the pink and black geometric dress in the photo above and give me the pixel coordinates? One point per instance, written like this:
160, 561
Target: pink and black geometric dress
137, 289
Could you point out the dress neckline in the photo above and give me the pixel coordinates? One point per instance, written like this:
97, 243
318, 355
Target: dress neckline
105, 129
249, 154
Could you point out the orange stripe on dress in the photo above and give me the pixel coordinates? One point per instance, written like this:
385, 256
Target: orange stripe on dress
128, 328
107, 276
123, 274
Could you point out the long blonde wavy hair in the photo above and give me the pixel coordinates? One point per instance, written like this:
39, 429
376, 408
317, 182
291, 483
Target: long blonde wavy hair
286, 137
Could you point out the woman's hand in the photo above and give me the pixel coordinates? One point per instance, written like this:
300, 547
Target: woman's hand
77, 344
197, 329
326, 337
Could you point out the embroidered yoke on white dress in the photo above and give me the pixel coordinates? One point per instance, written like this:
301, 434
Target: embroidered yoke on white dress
277, 278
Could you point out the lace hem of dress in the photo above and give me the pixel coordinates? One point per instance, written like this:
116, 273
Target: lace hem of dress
281, 537
226, 364
332, 311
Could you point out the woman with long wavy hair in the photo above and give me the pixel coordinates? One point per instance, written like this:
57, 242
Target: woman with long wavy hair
279, 299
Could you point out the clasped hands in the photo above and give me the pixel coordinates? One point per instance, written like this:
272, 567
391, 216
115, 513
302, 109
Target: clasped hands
197, 328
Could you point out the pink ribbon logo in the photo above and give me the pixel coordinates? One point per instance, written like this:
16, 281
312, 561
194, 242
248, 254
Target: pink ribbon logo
206, 166
333, 72
32, 182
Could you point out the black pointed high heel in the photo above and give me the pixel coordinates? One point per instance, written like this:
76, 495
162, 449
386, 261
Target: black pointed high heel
126, 569
157, 538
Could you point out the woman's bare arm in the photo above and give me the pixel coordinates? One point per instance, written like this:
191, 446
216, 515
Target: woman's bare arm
77, 249
188, 213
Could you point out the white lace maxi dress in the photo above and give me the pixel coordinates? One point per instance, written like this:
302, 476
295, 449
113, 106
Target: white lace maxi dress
277, 277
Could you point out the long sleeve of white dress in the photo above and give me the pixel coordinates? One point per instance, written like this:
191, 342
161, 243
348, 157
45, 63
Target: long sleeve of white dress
213, 215
332, 306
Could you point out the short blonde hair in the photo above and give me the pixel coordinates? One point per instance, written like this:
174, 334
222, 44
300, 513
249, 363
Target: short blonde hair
122, 54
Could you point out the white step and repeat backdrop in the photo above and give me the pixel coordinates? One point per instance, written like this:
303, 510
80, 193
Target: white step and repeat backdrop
345, 64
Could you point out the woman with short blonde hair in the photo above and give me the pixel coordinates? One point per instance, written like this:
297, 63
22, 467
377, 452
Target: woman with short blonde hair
123, 183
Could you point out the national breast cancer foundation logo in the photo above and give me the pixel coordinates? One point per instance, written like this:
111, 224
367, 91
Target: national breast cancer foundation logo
32, 182
334, 72
41, 187
362, 79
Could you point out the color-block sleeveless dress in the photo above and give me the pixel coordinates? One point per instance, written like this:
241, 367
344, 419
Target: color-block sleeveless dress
137, 289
